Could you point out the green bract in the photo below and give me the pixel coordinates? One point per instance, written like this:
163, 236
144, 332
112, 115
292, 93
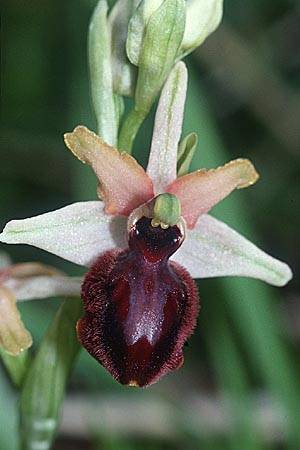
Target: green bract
186, 150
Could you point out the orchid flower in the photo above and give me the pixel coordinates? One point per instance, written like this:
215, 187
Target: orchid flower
144, 241
27, 281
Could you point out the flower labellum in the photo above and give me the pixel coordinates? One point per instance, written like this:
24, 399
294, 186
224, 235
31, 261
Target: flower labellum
140, 308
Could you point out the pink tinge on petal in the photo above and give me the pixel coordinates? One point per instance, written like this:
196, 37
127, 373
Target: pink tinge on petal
199, 191
124, 185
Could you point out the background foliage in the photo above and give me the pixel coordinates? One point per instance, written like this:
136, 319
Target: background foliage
240, 386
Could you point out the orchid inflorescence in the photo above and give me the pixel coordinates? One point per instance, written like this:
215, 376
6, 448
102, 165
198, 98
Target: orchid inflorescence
149, 234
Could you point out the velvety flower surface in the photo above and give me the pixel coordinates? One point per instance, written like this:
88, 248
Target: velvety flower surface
140, 309
139, 297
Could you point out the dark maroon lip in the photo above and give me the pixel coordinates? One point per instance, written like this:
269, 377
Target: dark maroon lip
140, 308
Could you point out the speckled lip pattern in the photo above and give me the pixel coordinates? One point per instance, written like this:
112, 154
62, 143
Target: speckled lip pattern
140, 308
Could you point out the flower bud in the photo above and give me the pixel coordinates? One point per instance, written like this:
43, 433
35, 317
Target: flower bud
123, 72
136, 28
160, 45
202, 18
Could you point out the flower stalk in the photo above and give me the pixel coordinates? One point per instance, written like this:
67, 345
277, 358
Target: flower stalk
130, 128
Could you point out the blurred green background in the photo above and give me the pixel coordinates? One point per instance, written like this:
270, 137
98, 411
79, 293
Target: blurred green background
240, 386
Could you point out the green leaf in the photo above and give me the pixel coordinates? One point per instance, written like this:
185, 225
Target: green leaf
99, 55
44, 386
16, 366
186, 150
233, 381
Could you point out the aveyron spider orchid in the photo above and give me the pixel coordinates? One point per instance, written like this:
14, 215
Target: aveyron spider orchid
143, 242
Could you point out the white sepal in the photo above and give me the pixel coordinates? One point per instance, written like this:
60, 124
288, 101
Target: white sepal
78, 232
213, 249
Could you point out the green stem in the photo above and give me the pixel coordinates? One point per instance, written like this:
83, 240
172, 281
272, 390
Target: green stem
130, 129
